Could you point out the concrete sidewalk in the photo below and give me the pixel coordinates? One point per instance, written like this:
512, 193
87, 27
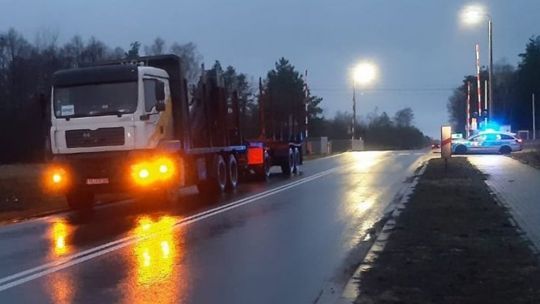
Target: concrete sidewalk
516, 185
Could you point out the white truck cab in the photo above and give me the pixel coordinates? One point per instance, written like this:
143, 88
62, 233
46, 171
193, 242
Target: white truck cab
129, 127
129, 109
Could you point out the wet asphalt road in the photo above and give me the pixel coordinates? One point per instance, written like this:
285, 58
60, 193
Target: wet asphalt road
286, 241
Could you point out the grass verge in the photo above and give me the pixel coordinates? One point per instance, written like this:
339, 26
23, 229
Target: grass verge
452, 244
528, 157
22, 194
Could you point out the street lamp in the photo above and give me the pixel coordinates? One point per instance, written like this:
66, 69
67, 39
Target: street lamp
473, 15
363, 74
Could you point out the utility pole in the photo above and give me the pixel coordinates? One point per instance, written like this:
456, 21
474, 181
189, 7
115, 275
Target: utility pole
261, 110
486, 101
468, 123
353, 110
306, 104
533, 118
478, 83
490, 59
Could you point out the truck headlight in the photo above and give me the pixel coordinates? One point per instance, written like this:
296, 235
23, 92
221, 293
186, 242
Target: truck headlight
165, 168
144, 173
56, 178
159, 169
141, 172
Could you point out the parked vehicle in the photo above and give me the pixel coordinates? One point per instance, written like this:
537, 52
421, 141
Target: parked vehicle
129, 127
488, 142
281, 134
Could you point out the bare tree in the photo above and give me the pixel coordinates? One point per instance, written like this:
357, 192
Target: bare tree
190, 57
73, 51
46, 39
404, 117
16, 45
117, 53
157, 48
94, 51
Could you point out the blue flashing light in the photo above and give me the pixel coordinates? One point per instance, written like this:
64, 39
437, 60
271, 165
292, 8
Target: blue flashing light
491, 127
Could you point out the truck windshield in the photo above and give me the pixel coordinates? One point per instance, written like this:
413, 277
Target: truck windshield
95, 99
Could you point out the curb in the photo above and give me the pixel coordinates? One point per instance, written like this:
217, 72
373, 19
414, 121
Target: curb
514, 220
350, 292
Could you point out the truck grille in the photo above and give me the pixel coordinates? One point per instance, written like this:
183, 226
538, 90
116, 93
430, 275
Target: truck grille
95, 138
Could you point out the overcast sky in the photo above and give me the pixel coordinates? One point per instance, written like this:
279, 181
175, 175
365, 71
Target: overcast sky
420, 48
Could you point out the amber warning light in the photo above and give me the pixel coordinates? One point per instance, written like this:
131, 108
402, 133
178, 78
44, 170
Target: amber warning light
147, 172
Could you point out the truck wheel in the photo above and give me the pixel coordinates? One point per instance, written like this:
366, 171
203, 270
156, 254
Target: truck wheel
217, 180
297, 162
232, 173
80, 200
288, 166
262, 172
221, 173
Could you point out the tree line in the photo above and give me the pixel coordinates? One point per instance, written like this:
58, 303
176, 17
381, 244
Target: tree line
512, 91
379, 131
26, 70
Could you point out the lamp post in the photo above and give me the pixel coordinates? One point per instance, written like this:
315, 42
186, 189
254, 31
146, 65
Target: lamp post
363, 74
472, 15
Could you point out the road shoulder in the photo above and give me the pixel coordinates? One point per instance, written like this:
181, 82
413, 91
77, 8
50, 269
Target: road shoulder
452, 243
529, 157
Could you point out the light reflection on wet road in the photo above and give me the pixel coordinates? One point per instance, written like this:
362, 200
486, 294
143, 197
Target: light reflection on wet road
282, 248
153, 274
59, 232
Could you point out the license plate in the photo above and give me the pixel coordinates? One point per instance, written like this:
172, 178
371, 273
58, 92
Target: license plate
97, 181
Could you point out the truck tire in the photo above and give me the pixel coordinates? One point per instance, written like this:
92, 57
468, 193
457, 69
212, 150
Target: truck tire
262, 172
80, 200
288, 167
217, 178
232, 173
297, 162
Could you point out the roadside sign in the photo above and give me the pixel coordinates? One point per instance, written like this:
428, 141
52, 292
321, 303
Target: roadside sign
446, 142
474, 124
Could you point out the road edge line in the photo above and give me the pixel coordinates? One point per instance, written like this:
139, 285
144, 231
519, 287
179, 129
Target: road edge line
350, 292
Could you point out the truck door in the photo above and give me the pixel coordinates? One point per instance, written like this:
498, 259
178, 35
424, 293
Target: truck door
158, 110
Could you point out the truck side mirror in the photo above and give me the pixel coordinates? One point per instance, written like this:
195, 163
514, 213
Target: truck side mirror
160, 91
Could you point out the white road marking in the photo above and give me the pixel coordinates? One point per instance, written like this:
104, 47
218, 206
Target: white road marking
45, 269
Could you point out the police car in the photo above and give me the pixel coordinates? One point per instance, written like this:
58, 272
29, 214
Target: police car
488, 142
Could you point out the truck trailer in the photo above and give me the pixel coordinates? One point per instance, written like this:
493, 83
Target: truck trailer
132, 126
